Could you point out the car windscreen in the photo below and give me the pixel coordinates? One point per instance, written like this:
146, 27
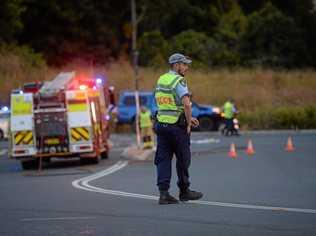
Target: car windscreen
130, 100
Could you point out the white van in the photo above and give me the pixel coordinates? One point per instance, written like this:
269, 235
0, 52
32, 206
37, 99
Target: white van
4, 124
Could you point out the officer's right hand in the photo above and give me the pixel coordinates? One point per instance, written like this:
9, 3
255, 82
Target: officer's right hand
195, 122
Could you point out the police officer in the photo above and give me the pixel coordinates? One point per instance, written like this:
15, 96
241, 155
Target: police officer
173, 128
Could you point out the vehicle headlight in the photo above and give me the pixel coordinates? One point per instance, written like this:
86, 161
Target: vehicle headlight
216, 110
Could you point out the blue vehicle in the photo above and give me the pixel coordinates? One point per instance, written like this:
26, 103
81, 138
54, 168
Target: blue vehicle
208, 116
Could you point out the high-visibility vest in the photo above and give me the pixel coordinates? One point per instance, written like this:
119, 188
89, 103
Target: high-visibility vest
228, 110
169, 109
145, 120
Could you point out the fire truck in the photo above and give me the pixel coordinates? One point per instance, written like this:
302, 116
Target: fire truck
66, 117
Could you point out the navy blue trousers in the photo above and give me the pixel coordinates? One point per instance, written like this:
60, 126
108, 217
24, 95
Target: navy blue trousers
172, 139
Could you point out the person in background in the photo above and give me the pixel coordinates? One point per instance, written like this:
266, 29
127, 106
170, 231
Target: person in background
146, 128
112, 108
112, 100
229, 111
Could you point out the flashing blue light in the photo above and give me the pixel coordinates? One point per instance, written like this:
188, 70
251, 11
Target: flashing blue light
99, 81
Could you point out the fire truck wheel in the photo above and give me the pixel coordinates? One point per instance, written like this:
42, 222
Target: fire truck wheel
84, 161
47, 160
104, 155
96, 159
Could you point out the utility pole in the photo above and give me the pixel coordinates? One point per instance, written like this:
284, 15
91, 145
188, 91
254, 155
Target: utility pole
135, 67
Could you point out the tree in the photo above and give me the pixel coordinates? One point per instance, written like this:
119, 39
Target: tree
66, 30
194, 44
228, 34
10, 22
153, 49
250, 6
272, 39
304, 14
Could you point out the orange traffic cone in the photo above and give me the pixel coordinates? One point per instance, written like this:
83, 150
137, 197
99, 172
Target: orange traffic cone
250, 150
289, 145
232, 153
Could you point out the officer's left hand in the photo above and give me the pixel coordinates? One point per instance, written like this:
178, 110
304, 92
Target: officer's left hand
194, 122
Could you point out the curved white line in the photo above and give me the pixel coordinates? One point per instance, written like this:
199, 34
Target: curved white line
83, 184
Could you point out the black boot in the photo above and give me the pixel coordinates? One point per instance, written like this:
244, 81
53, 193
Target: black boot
188, 194
166, 198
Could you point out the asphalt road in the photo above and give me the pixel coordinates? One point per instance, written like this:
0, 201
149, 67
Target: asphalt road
272, 192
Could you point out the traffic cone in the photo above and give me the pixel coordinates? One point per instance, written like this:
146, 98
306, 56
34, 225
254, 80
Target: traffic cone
250, 150
289, 145
232, 153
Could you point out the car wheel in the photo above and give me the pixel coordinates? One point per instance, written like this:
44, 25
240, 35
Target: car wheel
1, 134
206, 124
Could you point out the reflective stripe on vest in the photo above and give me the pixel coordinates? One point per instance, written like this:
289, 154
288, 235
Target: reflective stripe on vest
169, 109
145, 120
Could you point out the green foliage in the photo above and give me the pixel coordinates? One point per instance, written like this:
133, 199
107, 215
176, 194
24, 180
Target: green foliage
231, 33
19, 64
153, 49
10, 22
68, 30
228, 34
194, 44
26, 55
272, 39
286, 117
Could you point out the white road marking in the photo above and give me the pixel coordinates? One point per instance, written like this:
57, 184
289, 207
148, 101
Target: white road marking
203, 141
59, 218
3, 152
256, 207
83, 184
